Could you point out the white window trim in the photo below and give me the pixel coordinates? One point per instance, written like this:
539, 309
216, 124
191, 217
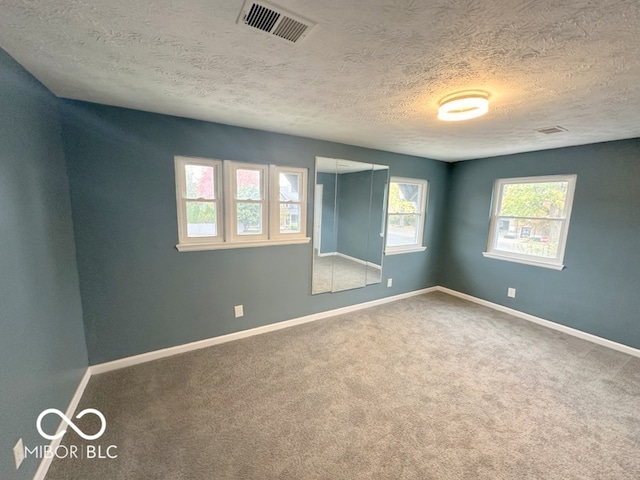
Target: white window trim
419, 245
196, 247
181, 199
227, 237
551, 263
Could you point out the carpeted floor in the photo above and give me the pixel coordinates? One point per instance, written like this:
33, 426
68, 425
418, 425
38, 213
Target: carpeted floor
430, 387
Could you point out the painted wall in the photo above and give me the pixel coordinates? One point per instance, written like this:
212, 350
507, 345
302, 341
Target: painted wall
598, 291
42, 347
138, 292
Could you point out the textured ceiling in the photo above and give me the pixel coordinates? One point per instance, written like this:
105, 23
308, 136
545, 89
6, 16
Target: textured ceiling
370, 73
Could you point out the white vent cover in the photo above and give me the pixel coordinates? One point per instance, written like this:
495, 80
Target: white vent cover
274, 20
549, 130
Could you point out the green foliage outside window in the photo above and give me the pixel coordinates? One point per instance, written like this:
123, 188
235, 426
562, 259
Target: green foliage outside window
249, 214
534, 199
537, 204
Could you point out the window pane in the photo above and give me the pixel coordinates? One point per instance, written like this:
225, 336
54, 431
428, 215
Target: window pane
201, 219
545, 200
200, 182
248, 184
537, 237
289, 218
289, 187
404, 197
249, 216
402, 230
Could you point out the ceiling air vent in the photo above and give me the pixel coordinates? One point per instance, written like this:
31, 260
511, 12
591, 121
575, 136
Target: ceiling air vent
274, 20
550, 130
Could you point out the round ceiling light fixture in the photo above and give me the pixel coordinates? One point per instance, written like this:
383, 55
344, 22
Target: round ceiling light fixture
463, 106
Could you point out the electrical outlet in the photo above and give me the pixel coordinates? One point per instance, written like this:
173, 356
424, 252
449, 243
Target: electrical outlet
18, 453
389, 282
511, 292
238, 310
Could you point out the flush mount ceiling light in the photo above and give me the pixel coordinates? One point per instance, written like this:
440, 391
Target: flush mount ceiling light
463, 106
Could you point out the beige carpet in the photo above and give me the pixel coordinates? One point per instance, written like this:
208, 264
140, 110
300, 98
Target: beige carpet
431, 387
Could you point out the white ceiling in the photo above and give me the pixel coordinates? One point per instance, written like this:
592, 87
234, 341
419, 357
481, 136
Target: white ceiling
371, 72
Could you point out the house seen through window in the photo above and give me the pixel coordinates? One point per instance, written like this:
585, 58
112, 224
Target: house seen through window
530, 219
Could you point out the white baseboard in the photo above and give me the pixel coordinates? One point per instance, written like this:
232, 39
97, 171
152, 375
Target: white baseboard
45, 463
167, 352
545, 323
357, 260
188, 347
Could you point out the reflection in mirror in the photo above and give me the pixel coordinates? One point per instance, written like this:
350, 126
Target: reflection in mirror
349, 214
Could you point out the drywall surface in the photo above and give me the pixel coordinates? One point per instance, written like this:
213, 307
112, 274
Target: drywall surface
597, 292
42, 346
139, 293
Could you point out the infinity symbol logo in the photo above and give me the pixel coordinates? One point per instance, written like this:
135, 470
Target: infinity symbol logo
71, 424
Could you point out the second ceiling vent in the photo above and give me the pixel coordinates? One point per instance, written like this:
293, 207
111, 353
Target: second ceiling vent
275, 20
550, 130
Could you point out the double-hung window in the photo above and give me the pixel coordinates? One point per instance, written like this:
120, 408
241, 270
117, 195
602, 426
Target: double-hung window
406, 215
247, 201
199, 198
289, 212
530, 220
232, 204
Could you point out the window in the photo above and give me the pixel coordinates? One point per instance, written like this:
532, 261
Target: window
247, 201
232, 204
289, 211
530, 220
198, 196
405, 215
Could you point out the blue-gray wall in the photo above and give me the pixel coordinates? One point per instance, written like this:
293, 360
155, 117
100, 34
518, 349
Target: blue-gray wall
42, 348
359, 226
138, 292
598, 291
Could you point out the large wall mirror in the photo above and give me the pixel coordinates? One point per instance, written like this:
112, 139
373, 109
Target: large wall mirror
348, 227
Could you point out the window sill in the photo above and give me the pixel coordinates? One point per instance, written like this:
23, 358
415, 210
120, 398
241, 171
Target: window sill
194, 247
524, 261
399, 250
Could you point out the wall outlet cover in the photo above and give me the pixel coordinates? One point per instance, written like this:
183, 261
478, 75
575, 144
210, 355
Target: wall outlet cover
238, 310
18, 453
511, 292
389, 282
